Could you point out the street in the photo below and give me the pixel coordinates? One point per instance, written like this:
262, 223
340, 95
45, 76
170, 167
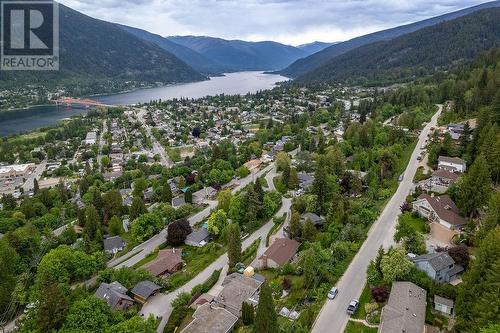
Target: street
157, 147
333, 316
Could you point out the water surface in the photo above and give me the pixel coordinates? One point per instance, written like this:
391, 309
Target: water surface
24, 120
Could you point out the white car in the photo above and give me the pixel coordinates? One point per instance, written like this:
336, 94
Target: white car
353, 306
333, 292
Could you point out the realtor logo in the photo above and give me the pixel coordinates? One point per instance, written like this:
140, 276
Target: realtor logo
29, 35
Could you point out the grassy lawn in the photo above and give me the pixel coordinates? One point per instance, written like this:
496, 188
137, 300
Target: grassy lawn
417, 223
353, 327
196, 259
249, 254
366, 297
148, 258
278, 222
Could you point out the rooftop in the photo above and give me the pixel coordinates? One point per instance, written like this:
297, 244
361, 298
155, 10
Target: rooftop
209, 318
405, 310
282, 250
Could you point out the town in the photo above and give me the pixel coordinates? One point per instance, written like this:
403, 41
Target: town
287, 210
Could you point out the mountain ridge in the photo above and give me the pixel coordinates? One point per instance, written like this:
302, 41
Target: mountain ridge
415, 54
307, 64
240, 55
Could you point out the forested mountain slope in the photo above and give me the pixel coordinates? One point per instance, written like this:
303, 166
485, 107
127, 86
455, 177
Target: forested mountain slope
318, 59
415, 54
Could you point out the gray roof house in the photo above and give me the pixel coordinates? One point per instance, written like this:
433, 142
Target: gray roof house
438, 266
113, 244
237, 289
211, 318
315, 219
405, 310
144, 290
444, 305
305, 180
178, 201
199, 237
204, 194
115, 295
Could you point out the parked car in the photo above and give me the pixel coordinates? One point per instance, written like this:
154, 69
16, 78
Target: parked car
353, 306
401, 177
419, 158
333, 292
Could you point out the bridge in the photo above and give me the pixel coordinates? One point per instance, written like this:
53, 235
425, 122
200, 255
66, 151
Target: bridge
87, 102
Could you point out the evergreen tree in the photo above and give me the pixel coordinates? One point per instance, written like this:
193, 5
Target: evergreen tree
36, 187
266, 320
478, 301
474, 188
115, 226
233, 244
166, 194
257, 187
188, 196
293, 180
309, 231
247, 313
295, 228
137, 208
53, 307
92, 223
286, 175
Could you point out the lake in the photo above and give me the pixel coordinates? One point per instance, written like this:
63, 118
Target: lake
24, 120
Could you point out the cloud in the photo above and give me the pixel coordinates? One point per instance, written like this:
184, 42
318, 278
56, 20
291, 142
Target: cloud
288, 21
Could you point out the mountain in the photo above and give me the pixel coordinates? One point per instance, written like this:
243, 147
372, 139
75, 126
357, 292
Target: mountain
315, 60
414, 54
93, 50
194, 59
238, 55
315, 46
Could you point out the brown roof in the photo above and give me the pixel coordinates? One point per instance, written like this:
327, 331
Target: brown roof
445, 208
282, 250
442, 173
166, 262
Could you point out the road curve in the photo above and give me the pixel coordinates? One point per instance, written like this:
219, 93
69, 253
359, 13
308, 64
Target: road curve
333, 317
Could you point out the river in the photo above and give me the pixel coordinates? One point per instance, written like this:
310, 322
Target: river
24, 120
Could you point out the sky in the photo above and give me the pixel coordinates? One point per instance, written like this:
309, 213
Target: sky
291, 22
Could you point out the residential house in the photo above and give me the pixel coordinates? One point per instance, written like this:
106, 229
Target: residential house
199, 237
113, 244
438, 266
452, 164
456, 131
405, 309
315, 219
115, 295
204, 194
305, 180
279, 253
253, 165
439, 209
236, 289
144, 290
91, 138
211, 318
168, 261
444, 305
178, 201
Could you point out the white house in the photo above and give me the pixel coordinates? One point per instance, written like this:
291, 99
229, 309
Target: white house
443, 305
91, 138
439, 209
452, 164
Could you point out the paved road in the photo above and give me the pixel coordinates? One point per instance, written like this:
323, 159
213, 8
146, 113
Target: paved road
159, 305
37, 173
157, 147
333, 317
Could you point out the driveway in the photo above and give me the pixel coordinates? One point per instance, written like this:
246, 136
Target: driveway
333, 317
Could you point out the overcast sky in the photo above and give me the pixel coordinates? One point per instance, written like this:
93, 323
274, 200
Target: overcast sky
288, 21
